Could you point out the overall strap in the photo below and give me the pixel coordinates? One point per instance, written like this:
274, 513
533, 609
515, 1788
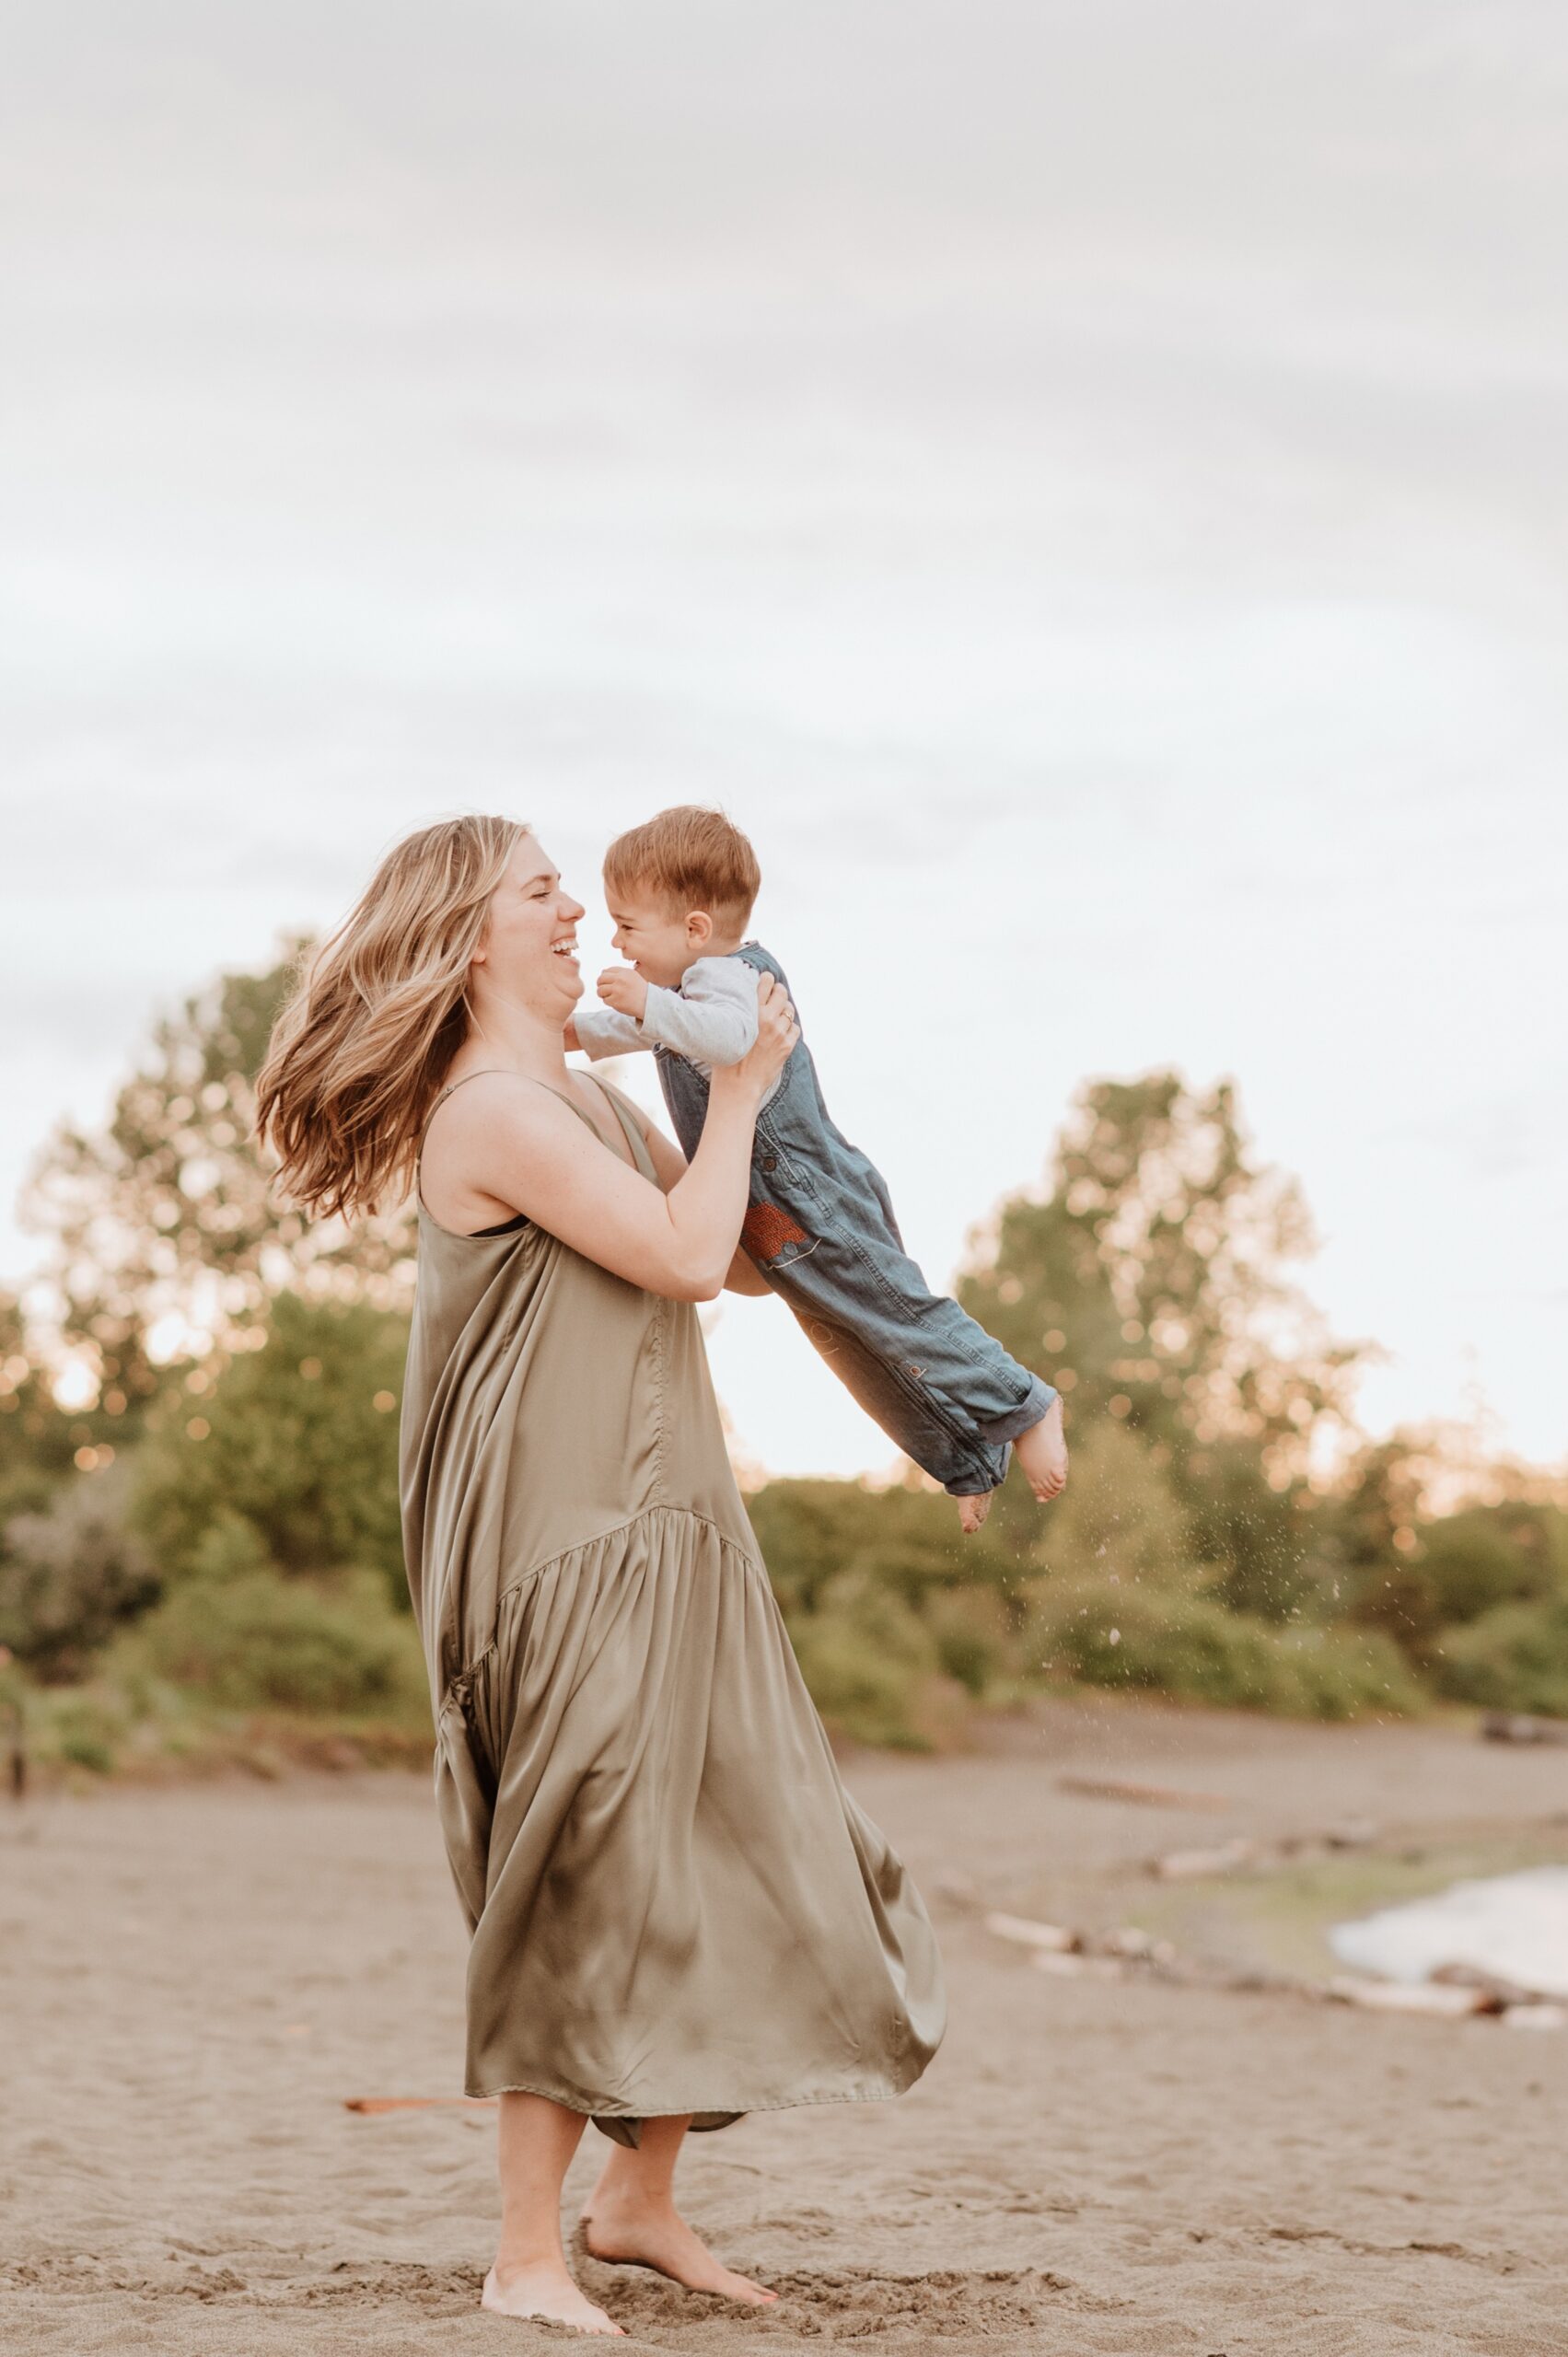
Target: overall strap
762, 962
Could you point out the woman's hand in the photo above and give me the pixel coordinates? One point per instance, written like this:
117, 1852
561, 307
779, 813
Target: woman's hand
777, 1032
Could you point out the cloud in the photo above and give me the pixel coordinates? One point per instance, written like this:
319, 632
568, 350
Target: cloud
1078, 484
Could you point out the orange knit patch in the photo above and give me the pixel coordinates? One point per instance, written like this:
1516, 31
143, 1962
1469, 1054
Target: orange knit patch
766, 1230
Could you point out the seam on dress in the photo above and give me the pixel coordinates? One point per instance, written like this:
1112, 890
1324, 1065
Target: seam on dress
464, 1677
661, 1321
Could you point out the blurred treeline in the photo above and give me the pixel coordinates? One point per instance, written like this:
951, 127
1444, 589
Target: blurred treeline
199, 1543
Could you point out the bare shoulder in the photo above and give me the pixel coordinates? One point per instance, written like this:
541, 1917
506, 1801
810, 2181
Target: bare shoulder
483, 1100
495, 1126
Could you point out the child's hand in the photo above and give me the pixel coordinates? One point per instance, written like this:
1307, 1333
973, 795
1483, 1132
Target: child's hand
624, 989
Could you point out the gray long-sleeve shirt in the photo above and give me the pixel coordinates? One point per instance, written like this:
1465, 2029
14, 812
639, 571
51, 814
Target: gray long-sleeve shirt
711, 1020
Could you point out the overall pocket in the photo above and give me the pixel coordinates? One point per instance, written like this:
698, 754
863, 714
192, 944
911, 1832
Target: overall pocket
773, 1238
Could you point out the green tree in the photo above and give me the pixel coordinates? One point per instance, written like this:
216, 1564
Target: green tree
36, 1439
1154, 1274
1151, 1284
287, 1454
69, 1576
1263, 1545
168, 1236
1421, 1577
1379, 1583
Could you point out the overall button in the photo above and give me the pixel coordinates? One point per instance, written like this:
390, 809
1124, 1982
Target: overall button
770, 1162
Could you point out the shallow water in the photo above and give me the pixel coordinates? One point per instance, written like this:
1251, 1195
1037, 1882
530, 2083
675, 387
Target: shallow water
1515, 1925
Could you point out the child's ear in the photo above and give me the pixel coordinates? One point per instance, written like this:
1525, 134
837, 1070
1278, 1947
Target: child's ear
699, 928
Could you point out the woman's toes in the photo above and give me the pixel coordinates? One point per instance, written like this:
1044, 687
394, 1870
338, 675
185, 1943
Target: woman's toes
740, 2287
548, 2295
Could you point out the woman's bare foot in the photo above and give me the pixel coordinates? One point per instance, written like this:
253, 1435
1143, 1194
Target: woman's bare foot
628, 2233
545, 2291
973, 1511
1043, 1453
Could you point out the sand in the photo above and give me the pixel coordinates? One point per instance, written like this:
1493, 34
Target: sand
193, 1979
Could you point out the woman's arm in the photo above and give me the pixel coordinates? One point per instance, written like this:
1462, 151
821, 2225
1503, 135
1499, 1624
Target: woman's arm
743, 1276
670, 1166
518, 1145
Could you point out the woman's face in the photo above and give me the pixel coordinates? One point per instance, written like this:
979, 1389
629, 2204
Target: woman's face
528, 953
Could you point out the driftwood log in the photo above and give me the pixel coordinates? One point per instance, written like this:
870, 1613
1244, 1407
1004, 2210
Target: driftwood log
1456, 1992
1517, 1726
418, 2103
1123, 1788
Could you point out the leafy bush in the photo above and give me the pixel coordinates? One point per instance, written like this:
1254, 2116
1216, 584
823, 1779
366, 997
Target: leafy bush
812, 1533
1512, 1658
71, 1576
1346, 1672
1194, 1649
868, 1662
1488, 1556
256, 1641
973, 1636
1117, 1513
85, 1735
290, 1441
1253, 1540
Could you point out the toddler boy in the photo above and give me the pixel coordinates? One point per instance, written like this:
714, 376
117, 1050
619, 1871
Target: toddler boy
821, 1227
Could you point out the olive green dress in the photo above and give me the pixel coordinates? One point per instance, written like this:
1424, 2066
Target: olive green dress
675, 1906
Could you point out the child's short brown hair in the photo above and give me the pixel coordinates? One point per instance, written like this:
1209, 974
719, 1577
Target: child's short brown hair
693, 858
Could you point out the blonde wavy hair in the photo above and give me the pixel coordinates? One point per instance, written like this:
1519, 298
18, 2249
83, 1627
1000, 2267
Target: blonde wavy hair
358, 1056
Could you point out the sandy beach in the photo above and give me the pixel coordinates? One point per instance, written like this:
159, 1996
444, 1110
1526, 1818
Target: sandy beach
195, 1979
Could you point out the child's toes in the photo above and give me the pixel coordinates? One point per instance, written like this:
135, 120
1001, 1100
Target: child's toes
973, 1511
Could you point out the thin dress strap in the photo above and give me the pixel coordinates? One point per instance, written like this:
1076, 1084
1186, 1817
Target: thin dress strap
483, 1072
486, 1071
629, 1129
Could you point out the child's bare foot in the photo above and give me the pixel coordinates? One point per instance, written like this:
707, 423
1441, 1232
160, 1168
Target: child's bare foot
1043, 1453
545, 2291
973, 1511
630, 2232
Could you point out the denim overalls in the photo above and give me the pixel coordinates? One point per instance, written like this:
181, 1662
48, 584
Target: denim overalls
821, 1230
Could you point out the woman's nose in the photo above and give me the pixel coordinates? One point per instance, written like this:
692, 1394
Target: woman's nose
571, 909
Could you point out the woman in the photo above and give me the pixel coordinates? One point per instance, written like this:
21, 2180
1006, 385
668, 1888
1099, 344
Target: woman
677, 1914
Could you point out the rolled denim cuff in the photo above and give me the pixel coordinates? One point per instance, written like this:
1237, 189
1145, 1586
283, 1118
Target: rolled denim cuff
1023, 1418
978, 1480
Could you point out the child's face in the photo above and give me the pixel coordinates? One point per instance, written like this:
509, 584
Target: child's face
660, 942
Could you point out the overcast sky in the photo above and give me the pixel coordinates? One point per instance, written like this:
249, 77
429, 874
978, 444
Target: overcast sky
1084, 484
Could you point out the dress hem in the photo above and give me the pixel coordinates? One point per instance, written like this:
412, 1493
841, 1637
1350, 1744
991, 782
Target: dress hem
882, 2093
